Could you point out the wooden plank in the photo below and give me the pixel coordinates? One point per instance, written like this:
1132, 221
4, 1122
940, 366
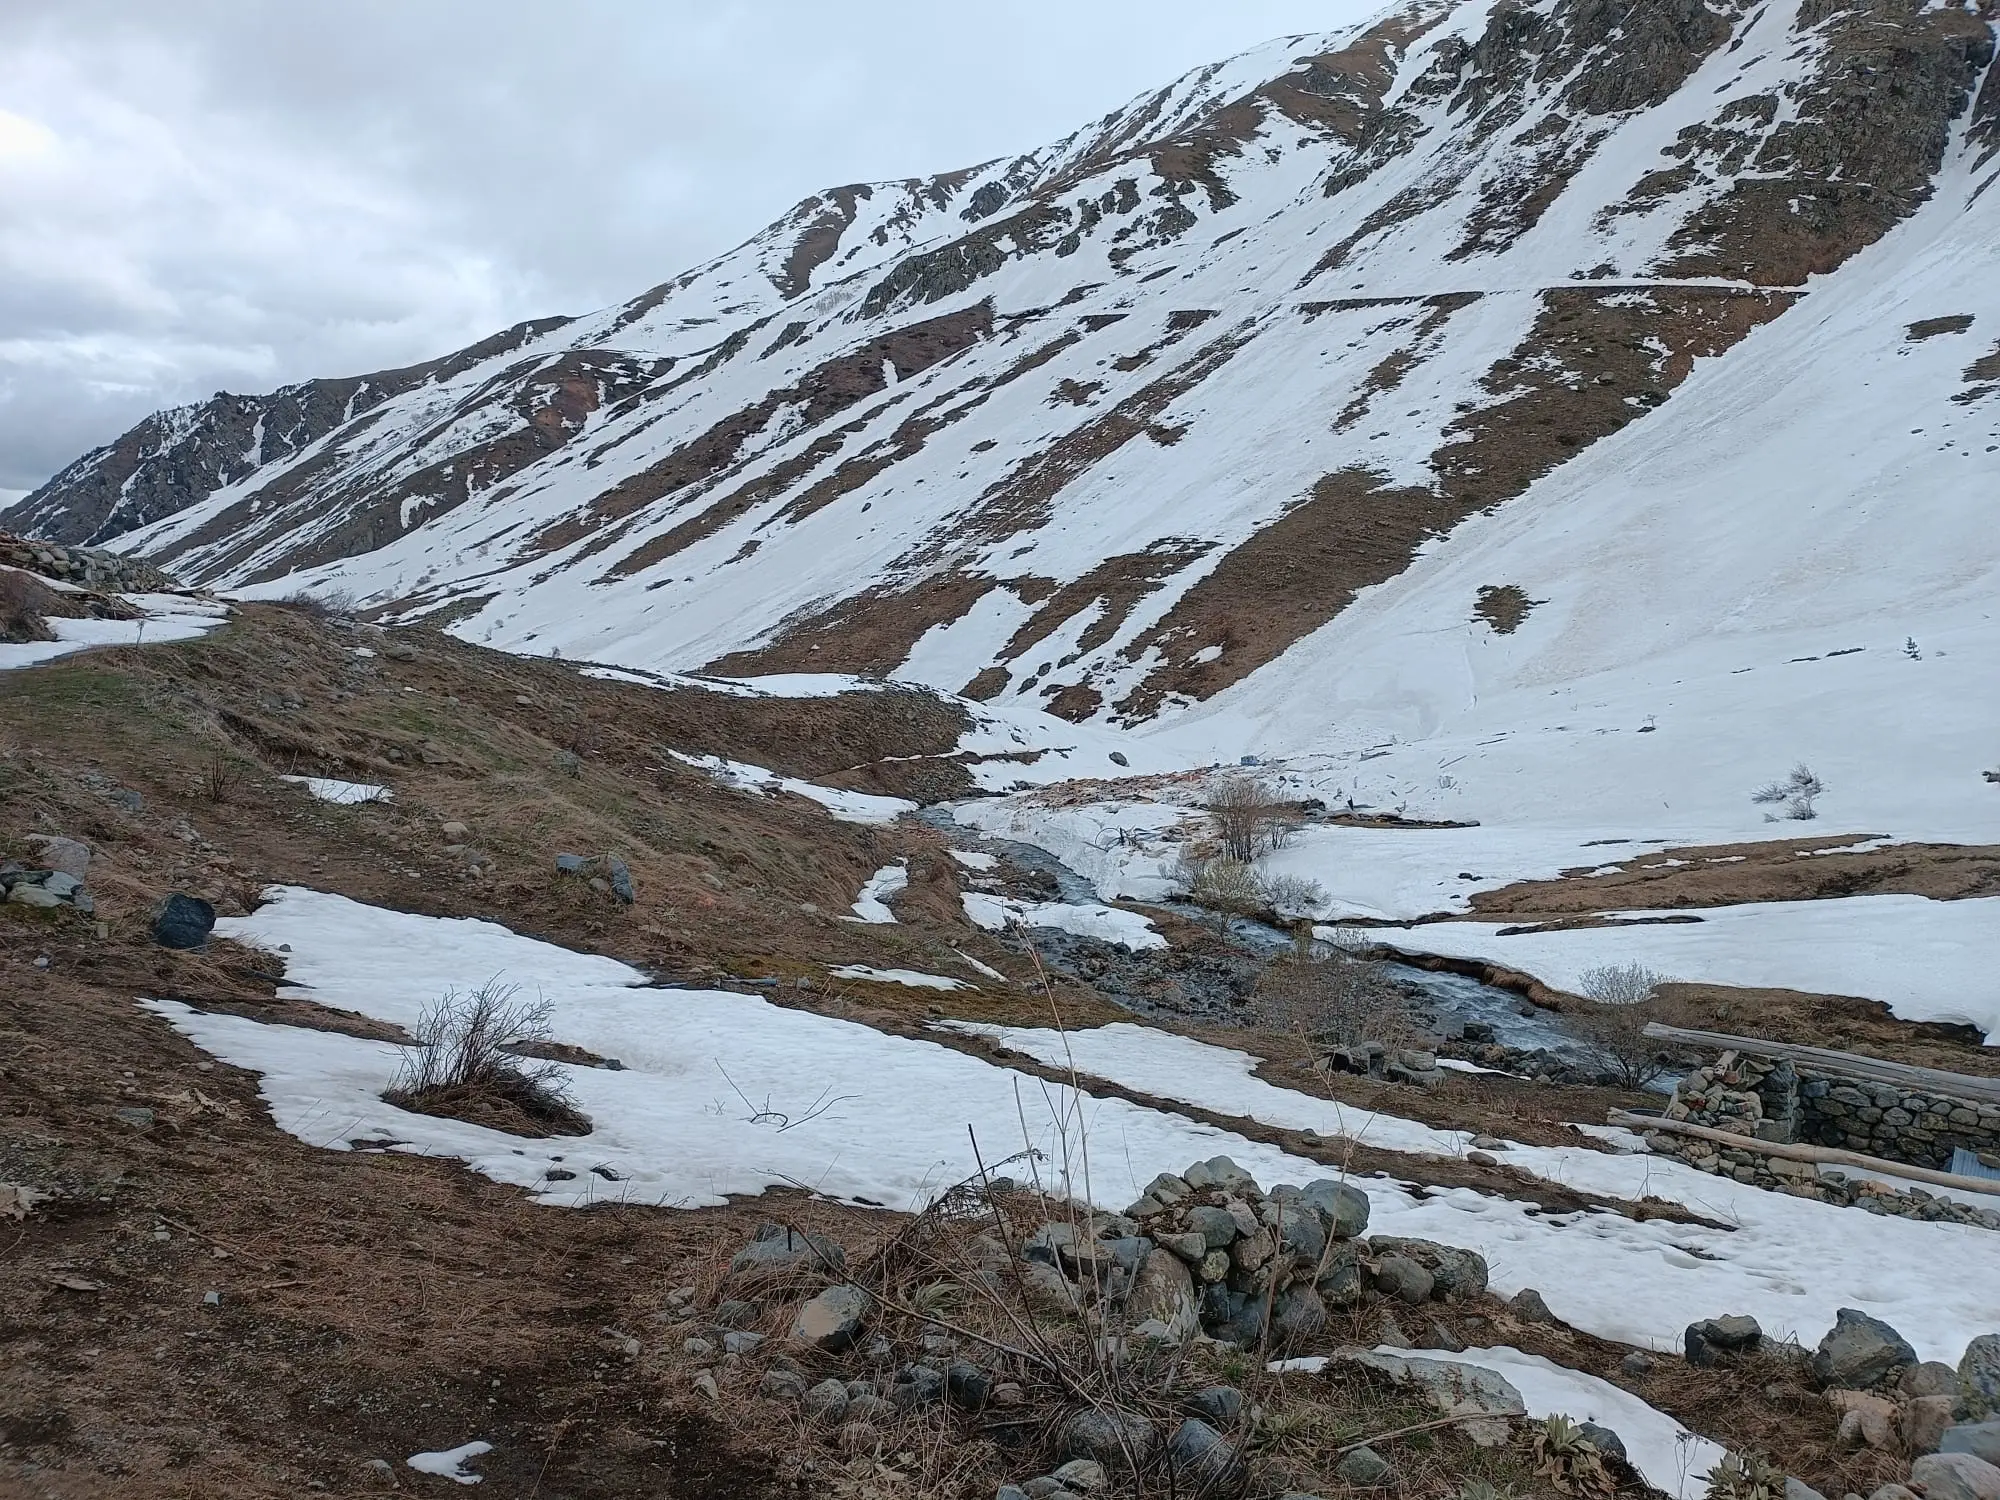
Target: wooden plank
1964, 1086
1829, 1155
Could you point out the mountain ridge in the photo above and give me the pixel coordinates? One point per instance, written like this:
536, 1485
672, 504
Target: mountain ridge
1019, 431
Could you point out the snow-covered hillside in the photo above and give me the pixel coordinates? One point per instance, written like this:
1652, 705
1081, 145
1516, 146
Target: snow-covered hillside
1112, 425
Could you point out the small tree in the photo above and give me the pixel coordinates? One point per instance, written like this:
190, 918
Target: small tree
1249, 818
1615, 1022
1620, 984
1794, 796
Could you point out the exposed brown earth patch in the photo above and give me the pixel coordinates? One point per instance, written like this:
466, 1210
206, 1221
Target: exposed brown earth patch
1733, 874
824, 392
869, 633
1930, 328
1504, 607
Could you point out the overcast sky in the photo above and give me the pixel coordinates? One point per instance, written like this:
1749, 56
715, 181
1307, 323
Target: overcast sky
232, 194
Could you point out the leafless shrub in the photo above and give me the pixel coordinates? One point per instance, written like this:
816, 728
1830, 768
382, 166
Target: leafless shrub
1622, 1000
1292, 895
1794, 796
221, 777
326, 604
467, 1065
1617, 1033
1220, 883
1249, 818
1620, 984
24, 601
1335, 1000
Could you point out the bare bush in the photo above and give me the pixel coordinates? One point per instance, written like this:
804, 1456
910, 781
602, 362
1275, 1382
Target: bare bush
1221, 884
1292, 895
469, 1064
221, 776
1249, 818
326, 604
1335, 1000
1618, 1032
1620, 984
1794, 796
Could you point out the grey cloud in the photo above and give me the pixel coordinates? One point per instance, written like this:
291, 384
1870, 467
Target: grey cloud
233, 194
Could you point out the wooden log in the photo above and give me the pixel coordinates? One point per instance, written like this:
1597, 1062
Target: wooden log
1962, 1086
1826, 1155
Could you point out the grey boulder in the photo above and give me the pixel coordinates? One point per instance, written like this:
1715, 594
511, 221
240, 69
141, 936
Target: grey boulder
1859, 1352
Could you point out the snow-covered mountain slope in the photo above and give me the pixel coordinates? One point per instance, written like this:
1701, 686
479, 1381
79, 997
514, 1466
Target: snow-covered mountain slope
1121, 425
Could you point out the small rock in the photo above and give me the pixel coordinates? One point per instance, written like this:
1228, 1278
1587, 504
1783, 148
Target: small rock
399, 651
699, 1348
704, 1381
776, 1252
1010, 1492
1343, 1208
1859, 1352
1364, 1468
740, 1343
1604, 1440
832, 1320
1008, 1393
1979, 1376
1488, 1142
785, 1384
869, 1407
1798, 1489
379, 1474
1924, 1420
1482, 1159
1955, 1476
64, 856
1930, 1378
1204, 1458
1528, 1306
734, 1313
136, 1116
1107, 1436
1702, 1342
1400, 1277
183, 922
826, 1402
1637, 1366
915, 1386
455, 831
1220, 1404
969, 1387
1085, 1476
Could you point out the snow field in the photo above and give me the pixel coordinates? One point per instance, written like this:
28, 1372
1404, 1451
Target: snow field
1668, 1457
346, 793
1926, 960
168, 617
671, 1129
1109, 924
872, 905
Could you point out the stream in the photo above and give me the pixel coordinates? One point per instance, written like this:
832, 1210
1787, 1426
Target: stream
1209, 987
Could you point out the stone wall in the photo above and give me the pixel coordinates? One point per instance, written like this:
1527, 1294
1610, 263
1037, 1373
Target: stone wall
1883, 1120
87, 566
1777, 1102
